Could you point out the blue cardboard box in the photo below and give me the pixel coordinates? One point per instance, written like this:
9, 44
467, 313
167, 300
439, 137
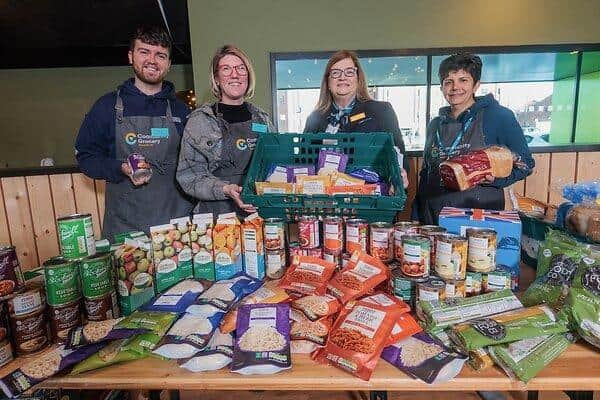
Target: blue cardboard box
507, 225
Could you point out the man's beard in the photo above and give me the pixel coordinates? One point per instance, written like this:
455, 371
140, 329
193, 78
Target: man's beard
151, 81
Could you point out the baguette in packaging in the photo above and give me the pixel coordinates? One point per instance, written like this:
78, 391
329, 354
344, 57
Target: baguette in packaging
308, 275
227, 246
202, 246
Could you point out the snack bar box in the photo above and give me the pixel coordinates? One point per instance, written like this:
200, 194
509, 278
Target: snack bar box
507, 225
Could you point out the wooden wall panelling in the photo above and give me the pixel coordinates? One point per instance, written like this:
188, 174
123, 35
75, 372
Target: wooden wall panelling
4, 231
100, 193
16, 200
42, 215
563, 167
85, 199
588, 166
63, 196
536, 186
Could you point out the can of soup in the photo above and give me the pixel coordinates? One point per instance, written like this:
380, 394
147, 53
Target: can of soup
382, 241
308, 232
102, 307
400, 229
11, 277
76, 236
274, 234
473, 284
415, 256
481, 253
63, 318
97, 275
333, 235
403, 287
451, 256
357, 235
432, 232
62, 281
276, 265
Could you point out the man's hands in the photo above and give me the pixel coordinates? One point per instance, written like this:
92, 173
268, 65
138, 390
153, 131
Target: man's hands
233, 192
127, 171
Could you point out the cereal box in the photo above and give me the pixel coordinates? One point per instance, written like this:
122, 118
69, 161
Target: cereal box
227, 246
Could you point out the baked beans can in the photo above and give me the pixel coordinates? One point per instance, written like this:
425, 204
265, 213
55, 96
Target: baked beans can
496, 280
97, 275
473, 284
308, 232
451, 256
400, 229
63, 318
382, 241
357, 235
274, 234
62, 281
29, 299
102, 307
403, 287
481, 253
29, 332
76, 236
333, 235
432, 232
415, 257
276, 265
11, 277
455, 288
6, 352
335, 258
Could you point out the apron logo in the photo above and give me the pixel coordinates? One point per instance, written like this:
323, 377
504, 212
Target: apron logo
241, 144
130, 138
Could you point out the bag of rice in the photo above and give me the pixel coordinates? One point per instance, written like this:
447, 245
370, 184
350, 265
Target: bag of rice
43, 367
316, 307
269, 293
423, 357
358, 337
98, 331
361, 275
178, 298
525, 358
304, 329
217, 354
222, 295
308, 275
507, 327
262, 344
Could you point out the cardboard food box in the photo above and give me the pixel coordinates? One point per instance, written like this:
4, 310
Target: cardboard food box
202, 246
183, 247
507, 225
227, 246
253, 245
135, 281
164, 240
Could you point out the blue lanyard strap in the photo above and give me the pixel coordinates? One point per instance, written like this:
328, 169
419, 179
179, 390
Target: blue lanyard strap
458, 138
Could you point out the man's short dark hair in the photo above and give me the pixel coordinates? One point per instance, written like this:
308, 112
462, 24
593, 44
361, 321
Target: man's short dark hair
466, 61
153, 35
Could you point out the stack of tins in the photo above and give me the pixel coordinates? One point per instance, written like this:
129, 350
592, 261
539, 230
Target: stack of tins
20, 308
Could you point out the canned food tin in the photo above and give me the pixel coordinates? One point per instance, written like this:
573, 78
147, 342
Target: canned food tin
481, 254
62, 281
345, 259
6, 352
140, 168
496, 280
102, 308
382, 241
11, 277
451, 256
315, 252
415, 258
400, 229
29, 299
62, 319
333, 235
308, 232
97, 275
3, 322
432, 289
274, 234
357, 235
29, 332
276, 265
455, 288
403, 287
335, 258
432, 232
473, 283
76, 236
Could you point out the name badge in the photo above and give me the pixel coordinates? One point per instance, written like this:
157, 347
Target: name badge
259, 128
357, 117
159, 132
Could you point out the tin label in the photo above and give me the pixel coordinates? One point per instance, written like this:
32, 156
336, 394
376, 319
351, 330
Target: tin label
62, 284
97, 277
76, 237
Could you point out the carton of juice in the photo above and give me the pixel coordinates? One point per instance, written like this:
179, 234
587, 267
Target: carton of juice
201, 230
164, 240
135, 280
227, 246
183, 247
252, 244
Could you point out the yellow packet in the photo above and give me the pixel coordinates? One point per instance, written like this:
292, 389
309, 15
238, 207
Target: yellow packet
273, 188
341, 179
312, 184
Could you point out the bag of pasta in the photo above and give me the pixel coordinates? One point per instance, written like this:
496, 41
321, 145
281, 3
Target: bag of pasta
361, 275
358, 337
315, 307
405, 325
308, 275
304, 329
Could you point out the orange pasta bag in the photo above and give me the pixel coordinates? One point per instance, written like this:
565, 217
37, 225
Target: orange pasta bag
308, 275
406, 325
315, 307
358, 337
361, 275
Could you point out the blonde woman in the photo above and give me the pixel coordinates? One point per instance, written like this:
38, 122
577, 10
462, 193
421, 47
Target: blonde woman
219, 138
346, 106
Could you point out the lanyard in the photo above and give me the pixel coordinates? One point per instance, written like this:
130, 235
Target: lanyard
458, 138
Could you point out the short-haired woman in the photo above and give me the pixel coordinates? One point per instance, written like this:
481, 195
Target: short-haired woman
468, 123
219, 138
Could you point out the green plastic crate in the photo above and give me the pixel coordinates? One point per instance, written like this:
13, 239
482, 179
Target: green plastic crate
364, 150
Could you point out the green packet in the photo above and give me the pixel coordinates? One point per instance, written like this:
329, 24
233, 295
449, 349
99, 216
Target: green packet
557, 243
118, 351
525, 358
440, 314
155, 321
583, 302
507, 327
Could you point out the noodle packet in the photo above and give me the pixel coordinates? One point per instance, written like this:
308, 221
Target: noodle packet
304, 329
262, 344
188, 336
119, 351
525, 358
269, 293
316, 307
425, 358
330, 160
277, 173
217, 354
361, 275
43, 367
358, 337
507, 327
98, 331
222, 295
178, 298
296, 170
308, 275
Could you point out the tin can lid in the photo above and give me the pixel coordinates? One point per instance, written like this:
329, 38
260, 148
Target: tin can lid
74, 216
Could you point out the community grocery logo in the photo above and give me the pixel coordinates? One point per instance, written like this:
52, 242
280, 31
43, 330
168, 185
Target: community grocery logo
130, 137
241, 144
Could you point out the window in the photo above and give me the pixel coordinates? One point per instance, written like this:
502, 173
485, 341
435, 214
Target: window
587, 129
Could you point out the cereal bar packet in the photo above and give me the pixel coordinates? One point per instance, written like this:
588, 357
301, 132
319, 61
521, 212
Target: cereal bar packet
316, 307
217, 354
99, 331
178, 298
304, 329
308, 275
368, 175
425, 358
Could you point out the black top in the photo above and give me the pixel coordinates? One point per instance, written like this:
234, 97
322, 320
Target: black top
233, 113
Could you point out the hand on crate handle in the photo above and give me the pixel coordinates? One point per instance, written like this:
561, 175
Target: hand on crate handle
233, 191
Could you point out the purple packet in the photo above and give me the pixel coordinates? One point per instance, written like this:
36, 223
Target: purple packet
140, 168
262, 344
332, 160
382, 189
44, 367
423, 357
98, 331
295, 170
277, 173
368, 175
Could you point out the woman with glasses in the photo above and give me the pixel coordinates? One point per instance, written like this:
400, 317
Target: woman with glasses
219, 138
346, 106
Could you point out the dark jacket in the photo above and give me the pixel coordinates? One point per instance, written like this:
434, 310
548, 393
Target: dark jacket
95, 144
